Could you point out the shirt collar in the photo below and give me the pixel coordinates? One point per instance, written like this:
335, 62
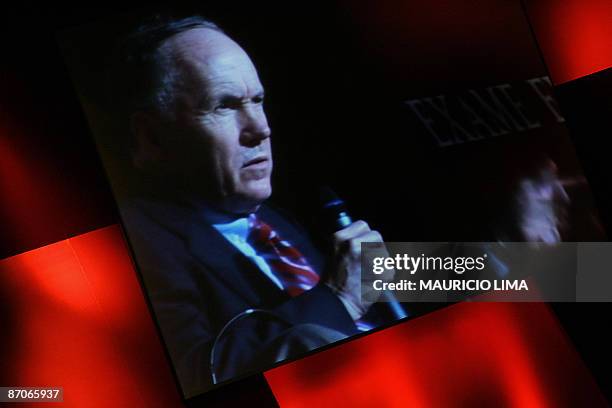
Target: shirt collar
227, 224
238, 228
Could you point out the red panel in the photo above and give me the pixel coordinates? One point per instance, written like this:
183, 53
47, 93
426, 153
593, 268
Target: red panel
51, 185
76, 318
575, 35
470, 354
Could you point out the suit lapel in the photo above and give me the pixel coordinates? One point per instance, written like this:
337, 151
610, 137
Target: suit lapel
216, 254
224, 260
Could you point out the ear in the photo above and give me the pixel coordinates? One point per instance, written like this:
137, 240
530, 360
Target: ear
147, 151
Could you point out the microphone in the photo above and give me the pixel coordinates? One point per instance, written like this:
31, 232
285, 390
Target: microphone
336, 216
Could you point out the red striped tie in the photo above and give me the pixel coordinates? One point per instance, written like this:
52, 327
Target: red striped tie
286, 262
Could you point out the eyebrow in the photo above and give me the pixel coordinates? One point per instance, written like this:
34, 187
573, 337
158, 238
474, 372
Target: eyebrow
230, 96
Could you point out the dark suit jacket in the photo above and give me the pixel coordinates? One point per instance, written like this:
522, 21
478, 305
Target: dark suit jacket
197, 281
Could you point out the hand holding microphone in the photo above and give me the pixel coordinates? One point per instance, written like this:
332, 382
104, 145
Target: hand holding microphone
345, 280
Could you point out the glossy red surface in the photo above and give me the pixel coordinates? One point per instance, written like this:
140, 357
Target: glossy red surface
574, 36
467, 355
74, 316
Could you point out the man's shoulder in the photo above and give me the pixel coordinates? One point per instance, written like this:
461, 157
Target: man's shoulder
147, 212
154, 225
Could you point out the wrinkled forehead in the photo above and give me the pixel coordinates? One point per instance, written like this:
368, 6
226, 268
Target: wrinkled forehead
209, 59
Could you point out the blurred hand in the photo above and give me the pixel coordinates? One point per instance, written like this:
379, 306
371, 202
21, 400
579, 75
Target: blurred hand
542, 206
345, 280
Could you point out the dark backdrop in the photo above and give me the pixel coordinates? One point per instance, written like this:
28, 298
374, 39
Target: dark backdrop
337, 75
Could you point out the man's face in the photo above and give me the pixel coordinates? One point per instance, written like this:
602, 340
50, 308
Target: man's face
218, 135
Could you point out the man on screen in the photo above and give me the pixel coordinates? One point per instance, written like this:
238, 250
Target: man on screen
207, 245
235, 284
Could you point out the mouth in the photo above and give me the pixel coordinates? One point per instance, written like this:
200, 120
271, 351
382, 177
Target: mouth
256, 162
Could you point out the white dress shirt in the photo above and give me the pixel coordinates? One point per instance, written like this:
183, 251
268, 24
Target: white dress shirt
236, 231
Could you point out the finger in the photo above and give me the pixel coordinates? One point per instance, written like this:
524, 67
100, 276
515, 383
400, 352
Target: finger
354, 230
575, 182
551, 236
560, 193
369, 236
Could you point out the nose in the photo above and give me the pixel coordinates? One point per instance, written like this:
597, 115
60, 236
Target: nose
255, 127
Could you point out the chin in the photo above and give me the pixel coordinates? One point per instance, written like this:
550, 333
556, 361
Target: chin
250, 200
258, 189
258, 196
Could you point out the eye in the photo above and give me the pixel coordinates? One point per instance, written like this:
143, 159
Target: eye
227, 103
258, 99
222, 106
